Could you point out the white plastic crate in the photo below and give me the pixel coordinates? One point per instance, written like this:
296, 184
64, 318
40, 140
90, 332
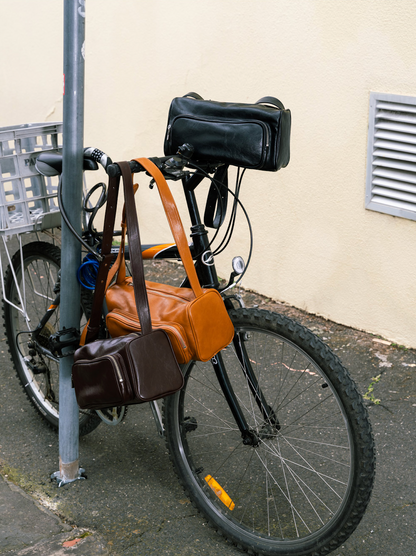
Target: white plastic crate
28, 200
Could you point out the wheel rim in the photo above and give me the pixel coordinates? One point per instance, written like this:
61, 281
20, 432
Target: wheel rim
40, 277
296, 483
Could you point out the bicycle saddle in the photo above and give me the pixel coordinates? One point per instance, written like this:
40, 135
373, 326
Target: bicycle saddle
50, 164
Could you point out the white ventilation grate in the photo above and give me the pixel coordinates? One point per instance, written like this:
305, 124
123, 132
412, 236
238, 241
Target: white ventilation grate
391, 157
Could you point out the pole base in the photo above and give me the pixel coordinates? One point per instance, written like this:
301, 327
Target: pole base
64, 480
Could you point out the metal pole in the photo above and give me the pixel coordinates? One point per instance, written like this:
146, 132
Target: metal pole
73, 131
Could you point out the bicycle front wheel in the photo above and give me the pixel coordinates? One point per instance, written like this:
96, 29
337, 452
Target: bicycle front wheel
304, 486
30, 292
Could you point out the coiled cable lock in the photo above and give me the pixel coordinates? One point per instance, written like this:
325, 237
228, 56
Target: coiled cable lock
87, 272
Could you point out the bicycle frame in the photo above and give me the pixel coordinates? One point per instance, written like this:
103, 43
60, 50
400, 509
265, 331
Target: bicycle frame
308, 481
207, 274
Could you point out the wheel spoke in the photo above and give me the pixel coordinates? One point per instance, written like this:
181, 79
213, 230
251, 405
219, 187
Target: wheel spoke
293, 483
38, 373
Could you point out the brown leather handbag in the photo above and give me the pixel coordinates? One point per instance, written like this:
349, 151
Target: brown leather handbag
195, 319
138, 367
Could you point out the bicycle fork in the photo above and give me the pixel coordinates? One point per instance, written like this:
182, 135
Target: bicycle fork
249, 436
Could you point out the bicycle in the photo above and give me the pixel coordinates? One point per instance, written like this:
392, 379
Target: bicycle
270, 439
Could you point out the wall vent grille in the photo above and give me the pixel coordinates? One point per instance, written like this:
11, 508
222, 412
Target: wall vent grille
391, 156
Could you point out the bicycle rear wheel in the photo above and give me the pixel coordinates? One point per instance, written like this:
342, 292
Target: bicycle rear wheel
38, 374
304, 488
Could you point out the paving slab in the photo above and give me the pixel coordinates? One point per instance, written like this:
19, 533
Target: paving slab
28, 528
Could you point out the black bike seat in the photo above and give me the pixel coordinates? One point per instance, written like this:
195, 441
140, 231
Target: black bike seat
50, 164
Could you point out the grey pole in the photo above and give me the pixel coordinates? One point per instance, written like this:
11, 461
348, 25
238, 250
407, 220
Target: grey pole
73, 131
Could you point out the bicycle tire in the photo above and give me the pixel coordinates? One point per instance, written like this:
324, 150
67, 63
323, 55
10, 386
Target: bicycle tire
41, 262
305, 487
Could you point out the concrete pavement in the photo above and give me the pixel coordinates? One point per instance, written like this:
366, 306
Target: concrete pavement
132, 503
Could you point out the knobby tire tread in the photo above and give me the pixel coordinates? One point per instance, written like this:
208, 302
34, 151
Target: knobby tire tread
50, 252
365, 474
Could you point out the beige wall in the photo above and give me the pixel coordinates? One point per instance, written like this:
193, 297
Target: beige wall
316, 247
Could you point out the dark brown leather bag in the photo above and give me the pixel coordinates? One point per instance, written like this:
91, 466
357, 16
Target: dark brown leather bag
195, 319
136, 368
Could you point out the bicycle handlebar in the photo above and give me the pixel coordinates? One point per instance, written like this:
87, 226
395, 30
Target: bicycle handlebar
167, 164
50, 163
92, 153
170, 166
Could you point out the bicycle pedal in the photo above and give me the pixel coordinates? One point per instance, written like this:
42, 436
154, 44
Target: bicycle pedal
57, 343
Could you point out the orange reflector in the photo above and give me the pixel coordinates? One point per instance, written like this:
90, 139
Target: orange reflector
220, 492
52, 307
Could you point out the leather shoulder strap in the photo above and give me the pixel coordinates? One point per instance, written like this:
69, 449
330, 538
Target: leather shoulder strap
93, 325
273, 101
139, 286
193, 95
135, 249
175, 222
119, 265
217, 200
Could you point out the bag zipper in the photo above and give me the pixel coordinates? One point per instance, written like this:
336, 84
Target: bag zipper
118, 371
136, 323
174, 330
222, 120
164, 294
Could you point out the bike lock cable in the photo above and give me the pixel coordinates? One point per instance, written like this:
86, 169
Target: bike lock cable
236, 201
93, 210
70, 226
87, 272
231, 224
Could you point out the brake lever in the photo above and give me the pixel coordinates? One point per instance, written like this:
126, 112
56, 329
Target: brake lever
172, 168
171, 174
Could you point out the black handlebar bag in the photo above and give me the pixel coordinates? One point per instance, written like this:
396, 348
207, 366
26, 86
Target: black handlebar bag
255, 136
